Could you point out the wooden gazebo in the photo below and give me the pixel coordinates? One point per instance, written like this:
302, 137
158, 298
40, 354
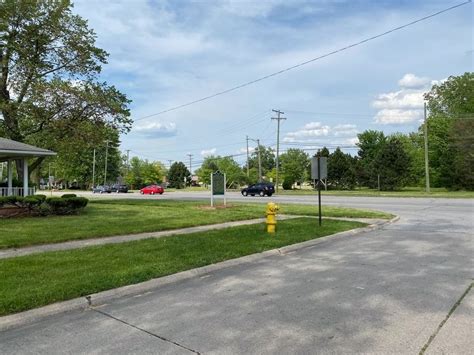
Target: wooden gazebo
11, 151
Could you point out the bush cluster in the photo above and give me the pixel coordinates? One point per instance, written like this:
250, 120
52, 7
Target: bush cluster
39, 204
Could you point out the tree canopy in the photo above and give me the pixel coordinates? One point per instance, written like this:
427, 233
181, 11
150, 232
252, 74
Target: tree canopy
178, 175
50, 92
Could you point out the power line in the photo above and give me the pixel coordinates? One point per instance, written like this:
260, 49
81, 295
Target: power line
308, 61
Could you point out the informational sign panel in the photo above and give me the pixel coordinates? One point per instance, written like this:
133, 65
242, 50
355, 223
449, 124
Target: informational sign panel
322, 167
218, 183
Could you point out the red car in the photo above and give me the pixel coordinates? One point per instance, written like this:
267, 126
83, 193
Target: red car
152, 190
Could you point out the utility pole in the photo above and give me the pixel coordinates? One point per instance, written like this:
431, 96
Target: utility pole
170, 161
427, 165
105, 165
248, 169
279, 118
190, 163
128, 160
93, 170
259, 162
258, 155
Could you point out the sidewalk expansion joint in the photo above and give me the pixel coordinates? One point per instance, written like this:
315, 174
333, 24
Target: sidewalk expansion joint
144, 330
451, 311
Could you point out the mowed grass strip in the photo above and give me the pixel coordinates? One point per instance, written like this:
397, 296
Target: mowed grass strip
436, 192
37, 280
118, 217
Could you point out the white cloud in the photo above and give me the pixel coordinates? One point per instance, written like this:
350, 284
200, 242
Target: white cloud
156, 129
352, 141
402, 99
396, 116
403, 106
309, 130
412, 81
325, 134
207, 152
244, 150
345, 130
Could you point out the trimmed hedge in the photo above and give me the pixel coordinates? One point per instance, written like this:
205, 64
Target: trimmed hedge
39, 204
68, 196
68, 205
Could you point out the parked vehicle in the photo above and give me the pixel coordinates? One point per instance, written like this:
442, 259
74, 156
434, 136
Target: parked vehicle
101, 189
152, 190
261, 189
120, 188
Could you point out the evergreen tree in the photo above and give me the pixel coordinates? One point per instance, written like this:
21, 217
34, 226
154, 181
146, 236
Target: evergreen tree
393, 164
341, 170
179, 175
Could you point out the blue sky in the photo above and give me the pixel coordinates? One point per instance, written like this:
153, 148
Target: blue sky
166, 53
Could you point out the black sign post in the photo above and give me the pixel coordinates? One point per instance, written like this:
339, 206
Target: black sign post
319, 190
319, 171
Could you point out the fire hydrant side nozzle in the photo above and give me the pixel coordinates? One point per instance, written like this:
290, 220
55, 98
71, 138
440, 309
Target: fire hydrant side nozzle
271, 221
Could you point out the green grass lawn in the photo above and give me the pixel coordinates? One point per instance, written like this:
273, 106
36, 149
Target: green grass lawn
37, 280
405, 192
103, 218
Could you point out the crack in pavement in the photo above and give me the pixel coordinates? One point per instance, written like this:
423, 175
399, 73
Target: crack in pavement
144, 330
443, 322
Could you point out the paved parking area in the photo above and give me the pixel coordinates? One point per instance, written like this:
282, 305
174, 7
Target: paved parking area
385, 291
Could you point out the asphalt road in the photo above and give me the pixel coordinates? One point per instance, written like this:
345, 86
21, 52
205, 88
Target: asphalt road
395, 290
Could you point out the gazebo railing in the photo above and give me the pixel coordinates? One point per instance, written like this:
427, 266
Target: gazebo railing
16, 191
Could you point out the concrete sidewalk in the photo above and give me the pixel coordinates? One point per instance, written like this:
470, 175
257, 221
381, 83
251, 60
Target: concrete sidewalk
76, 244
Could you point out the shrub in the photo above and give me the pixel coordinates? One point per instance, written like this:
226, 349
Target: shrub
39, 204
76, 203
58, 205
3, 201
68, 196
41, 198
31, 202
287, 184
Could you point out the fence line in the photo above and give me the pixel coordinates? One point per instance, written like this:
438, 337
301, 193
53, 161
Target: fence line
16, 191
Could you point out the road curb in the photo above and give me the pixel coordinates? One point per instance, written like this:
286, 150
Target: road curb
94, 300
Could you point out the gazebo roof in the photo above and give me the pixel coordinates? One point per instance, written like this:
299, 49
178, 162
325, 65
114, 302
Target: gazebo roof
14, 149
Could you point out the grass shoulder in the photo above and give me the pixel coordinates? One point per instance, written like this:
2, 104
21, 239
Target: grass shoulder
103, 218
405, 192
37, 280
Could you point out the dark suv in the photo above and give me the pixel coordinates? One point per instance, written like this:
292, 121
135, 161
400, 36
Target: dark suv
261, 189
119, 188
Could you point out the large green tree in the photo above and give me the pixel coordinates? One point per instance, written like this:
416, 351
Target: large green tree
450, 132
208, 166
267, 156
179, 175
341, 170
50, 92
234, 174
370, 143
294, 165
393, 164
143, 172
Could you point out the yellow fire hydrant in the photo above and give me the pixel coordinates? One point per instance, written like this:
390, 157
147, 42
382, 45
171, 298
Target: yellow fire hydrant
272, 209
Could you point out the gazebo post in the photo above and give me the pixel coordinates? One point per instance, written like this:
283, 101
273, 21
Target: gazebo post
25, 177
10, 177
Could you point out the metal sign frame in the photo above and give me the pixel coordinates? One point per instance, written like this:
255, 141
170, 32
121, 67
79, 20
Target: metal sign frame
319, 168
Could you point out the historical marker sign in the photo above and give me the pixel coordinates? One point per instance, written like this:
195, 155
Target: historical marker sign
218, 183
